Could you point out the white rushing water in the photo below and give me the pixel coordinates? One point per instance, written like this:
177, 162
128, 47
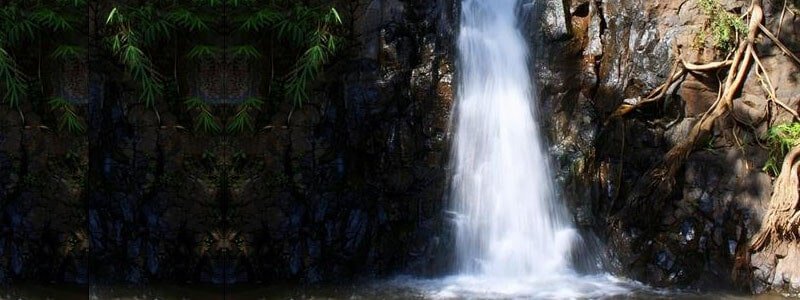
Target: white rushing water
513, 236
508, 220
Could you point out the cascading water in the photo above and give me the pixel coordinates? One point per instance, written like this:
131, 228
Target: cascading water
513, 238
508, 222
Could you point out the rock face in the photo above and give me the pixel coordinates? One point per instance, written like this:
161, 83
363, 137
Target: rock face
350, 184
357, 179
354, 182
620, 50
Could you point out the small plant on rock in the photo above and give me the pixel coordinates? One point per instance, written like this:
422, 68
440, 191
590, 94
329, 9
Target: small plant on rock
723, 26
781, 139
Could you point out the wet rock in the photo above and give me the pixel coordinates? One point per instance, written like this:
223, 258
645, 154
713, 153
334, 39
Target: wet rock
551, 18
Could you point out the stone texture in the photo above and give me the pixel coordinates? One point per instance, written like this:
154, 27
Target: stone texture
622, 49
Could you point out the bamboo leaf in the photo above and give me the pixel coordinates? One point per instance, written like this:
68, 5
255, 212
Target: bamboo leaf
203, 51
113, 16
66, 52
245, 52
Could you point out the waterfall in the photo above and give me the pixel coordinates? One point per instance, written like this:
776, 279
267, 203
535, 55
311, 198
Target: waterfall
514, 238
509, 222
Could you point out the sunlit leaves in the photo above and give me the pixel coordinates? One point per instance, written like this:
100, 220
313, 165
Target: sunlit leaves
780, 140
114, 17
725, 27
332, 17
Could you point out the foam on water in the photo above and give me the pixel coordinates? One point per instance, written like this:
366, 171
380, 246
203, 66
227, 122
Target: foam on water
558, 286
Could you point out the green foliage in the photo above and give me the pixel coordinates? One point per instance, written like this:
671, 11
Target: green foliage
780, 140
246, 52
135, 31
29, 21
51, 19
68, 119
211, 3
235, 3
67, 52
205, 120
203, 51
16, 25
724, 27
263, 18
242, 120
12, 80
127, 44
321, 44
189, 20
309, 28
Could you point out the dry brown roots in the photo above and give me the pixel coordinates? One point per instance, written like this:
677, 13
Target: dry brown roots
784, 216
738, 68
783, 219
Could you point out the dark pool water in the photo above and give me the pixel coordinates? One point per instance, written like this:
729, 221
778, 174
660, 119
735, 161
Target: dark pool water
460, 287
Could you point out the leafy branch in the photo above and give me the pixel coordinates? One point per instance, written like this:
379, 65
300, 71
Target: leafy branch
305, 27
126, 43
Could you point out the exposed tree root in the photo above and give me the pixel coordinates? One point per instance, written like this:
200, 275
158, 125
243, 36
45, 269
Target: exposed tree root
779, 43
678, 71
770, 88
783, 219
659, 182
782, 222
738, 72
